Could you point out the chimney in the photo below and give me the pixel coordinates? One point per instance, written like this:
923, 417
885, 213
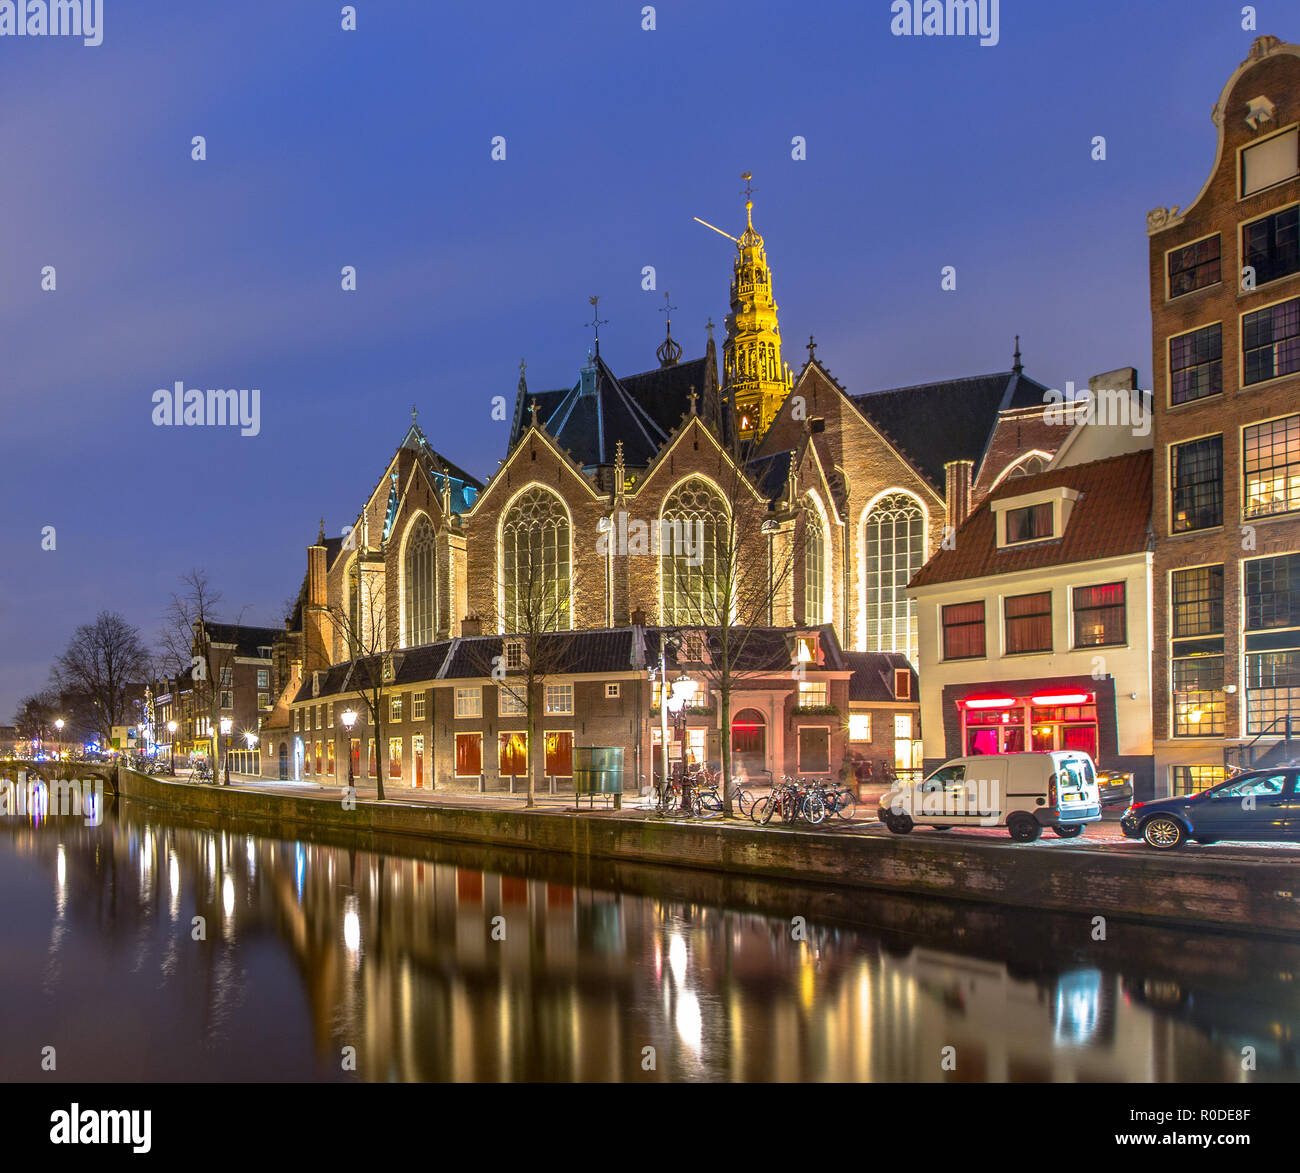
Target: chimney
957, 474
471, 625
1123, 379
638, 617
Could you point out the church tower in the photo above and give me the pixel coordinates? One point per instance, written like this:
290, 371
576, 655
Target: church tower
755, 381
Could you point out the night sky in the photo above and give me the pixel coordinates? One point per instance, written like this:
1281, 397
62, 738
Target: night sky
372, 148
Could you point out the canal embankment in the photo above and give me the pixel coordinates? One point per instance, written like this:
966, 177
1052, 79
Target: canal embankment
1234, 893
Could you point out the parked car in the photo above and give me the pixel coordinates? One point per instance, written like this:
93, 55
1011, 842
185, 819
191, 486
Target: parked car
1023, 792
1116, 789
1258, 804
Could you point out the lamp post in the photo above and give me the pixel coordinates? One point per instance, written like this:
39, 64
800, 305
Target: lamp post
250, 740
226, 725
349, 719
682, 691
171, 742
58, 724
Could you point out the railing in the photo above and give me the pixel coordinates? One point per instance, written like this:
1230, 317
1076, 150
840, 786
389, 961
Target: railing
1242, 757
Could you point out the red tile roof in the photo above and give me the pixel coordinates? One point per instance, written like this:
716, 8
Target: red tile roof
1111, 517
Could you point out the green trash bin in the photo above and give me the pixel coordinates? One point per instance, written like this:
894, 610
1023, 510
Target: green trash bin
598, 769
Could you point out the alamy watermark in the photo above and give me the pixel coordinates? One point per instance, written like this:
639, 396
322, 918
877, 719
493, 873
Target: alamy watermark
53, 18
946, 18
632, 536
217, 408
1127, 409
67, 797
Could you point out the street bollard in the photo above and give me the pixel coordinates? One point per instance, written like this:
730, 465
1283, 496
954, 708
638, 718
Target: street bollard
482, 783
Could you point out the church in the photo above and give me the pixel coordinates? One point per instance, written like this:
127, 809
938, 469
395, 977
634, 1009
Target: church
845, 494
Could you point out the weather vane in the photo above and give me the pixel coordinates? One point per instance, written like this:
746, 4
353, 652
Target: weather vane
596, 320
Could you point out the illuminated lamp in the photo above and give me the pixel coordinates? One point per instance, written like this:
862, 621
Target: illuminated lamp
1062, 698
989, 702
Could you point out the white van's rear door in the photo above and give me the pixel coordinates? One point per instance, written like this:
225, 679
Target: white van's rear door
1076, 783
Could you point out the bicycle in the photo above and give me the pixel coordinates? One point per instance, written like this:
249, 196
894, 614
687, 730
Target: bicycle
202, 772
792, 801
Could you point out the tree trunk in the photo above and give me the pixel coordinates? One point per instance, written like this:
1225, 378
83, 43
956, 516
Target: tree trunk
532, 742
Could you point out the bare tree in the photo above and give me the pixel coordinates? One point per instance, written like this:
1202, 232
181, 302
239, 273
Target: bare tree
36, 715
535, 614
106, 662
729, 577
186, 643
361, 623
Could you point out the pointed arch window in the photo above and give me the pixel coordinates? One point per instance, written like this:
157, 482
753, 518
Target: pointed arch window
814, 562
353, 633
421, 578
894, 552
1028, 468
535, 566
693, 545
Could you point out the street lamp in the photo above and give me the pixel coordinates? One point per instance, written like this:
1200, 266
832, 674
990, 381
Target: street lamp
58, 724
226, 725
349, 719
171, 741
250, 740
676, 700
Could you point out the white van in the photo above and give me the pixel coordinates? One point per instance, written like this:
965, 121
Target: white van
1023, 792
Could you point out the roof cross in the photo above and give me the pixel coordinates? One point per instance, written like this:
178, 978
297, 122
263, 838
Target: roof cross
812, 348
533, 408
693, 398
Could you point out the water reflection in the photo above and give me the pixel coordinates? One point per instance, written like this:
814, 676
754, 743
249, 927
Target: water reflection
274, 955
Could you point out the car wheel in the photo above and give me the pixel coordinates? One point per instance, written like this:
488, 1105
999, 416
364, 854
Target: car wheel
899, 824
1068, 831
1024, 828
1164, 833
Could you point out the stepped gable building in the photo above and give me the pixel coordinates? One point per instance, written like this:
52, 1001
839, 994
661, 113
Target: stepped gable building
1225, 318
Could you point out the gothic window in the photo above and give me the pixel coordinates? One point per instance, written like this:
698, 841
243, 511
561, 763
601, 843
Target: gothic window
421, 576
814, 576
535, 575
895, 551
693, 547
1031, 467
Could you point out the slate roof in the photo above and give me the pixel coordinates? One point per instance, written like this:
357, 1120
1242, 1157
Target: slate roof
770, 473
465, 487
934, 423
246, 639
873, 676
600, 409
1112, 517
594, 651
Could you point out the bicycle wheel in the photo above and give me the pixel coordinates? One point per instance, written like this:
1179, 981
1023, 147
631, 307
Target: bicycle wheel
847, 806
742, 800
813, 809
763, 810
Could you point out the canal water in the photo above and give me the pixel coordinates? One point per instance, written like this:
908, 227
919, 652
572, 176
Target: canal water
322, 958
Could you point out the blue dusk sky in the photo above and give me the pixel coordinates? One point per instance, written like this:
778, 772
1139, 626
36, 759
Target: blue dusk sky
372, 148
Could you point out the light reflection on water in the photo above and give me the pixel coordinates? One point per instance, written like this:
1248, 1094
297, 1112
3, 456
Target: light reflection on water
433, 968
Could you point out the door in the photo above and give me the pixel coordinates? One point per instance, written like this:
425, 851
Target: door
1249, 808
284, 762
417, 760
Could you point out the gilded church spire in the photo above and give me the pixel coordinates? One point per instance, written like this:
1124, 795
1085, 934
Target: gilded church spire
754, 376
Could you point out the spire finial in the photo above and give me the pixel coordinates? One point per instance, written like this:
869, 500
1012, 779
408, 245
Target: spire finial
533, 408
1016, 365
694, 397
320, 538
748, 193
596, 320
669, 351
709, 327
812, 348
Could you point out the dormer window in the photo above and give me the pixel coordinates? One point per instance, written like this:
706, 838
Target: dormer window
1038, 516
1032, 523
902, 684
514, 653
805, 649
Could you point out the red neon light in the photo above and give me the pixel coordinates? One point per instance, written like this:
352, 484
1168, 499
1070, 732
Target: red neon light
990, 702
1062, 698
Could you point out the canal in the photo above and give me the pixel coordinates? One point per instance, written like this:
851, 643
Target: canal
325, 957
